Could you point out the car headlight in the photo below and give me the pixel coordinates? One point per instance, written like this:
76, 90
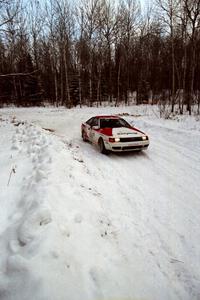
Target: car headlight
117, 139
144, 138
114, 140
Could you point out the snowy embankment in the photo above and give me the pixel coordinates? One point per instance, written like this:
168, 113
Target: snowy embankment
75, 224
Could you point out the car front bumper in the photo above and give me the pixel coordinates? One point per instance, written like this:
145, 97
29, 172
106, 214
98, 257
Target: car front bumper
130, 146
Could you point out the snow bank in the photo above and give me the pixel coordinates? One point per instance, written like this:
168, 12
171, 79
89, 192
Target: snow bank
25, 215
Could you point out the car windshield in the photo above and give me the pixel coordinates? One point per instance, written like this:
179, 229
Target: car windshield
113, 123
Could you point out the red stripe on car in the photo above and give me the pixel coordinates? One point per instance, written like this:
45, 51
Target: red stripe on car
105, 131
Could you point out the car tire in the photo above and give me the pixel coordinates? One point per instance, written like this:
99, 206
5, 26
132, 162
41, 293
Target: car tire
84, 137
102, 148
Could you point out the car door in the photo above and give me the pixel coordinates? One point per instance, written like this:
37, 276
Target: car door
92, 132
89, 127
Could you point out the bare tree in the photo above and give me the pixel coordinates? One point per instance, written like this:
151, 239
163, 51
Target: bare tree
109, 30
170, 8
8, 11
90, 13
64, 28
192, 8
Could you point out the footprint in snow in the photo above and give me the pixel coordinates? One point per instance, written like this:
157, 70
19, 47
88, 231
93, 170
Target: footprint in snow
40, 175
30, 227
65, 231
77, 158
78, 218
14, 246
17, 263
15, 146
106, 228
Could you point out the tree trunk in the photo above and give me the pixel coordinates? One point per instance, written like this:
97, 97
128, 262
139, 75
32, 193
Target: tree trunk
67, 91
192, 79
118, 83
61, 83
90, 84
98, 87
184, 79
56, 88
173, 66
79, 85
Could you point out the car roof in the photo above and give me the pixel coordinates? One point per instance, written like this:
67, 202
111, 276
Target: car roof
107, 117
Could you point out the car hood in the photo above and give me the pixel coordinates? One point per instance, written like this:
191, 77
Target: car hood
126, 132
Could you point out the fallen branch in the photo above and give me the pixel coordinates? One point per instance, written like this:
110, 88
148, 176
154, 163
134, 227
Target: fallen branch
18, 74
49, 129
13, 170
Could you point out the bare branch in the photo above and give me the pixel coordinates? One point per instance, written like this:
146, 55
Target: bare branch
19, 74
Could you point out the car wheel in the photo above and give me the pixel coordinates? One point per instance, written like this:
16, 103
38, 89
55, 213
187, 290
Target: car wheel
84, 137
102, 148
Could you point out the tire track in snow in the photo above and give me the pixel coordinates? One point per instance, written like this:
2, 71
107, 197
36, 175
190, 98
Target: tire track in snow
149, 224
191, 284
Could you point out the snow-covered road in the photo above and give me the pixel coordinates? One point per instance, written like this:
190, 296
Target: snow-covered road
75, 224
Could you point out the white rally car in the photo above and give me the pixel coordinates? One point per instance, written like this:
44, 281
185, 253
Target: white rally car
112, 133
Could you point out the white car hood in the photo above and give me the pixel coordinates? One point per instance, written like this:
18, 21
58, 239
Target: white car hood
125, 132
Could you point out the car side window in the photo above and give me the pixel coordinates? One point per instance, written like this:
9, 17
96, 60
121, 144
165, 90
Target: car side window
94, 122
89, 122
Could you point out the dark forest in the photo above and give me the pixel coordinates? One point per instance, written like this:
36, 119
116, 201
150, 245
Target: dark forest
88, 52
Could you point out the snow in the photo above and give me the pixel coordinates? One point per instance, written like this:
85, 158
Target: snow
75, 224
